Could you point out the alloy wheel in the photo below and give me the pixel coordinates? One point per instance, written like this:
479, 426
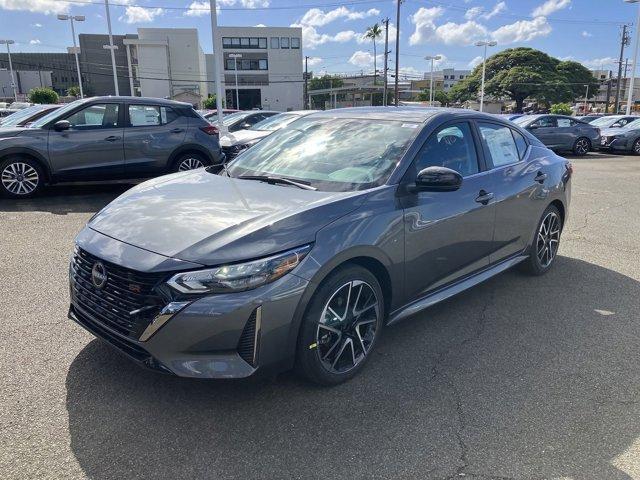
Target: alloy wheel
347, 327
20, 178
636, 147
189, 164
548, 239
582, 146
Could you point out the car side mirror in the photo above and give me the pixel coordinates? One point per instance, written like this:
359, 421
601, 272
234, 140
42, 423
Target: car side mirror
438, 179
61, 125
246, 125
532, 127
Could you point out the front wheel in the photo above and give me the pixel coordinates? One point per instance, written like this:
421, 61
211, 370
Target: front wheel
189, 161
581, 147
341, 326
636, 147
20, 178
545, 245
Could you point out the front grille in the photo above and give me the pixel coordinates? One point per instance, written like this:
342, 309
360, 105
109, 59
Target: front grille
126, 303
248, 343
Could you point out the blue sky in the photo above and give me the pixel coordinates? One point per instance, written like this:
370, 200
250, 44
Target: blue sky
583, 30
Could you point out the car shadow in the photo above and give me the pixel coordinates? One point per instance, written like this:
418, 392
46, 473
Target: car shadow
69, 198
520, 377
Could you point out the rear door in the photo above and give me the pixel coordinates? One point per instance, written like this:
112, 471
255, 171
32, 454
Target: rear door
545, 129
518, 181
151, 135
92, 148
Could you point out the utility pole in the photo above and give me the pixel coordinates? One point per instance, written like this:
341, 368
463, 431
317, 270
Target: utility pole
623, 42
13, 82
386, 59
634, 58
217, 62
306, 83
395, 90
608, 97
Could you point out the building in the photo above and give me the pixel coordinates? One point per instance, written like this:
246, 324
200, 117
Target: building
449, 77
61, 67
262, 67
166, 63
25, 81
607, 91
96, 67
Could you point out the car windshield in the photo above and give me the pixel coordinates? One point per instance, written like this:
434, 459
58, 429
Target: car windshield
54, 114
234, 117
334, 154
20, 115
634, 124
605, 121
276, 122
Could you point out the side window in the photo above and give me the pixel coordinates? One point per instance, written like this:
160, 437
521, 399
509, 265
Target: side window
621, 123
452, 147
144, 115
167, 115
104, 115
564, 122
500, 144
544, 122
521, 143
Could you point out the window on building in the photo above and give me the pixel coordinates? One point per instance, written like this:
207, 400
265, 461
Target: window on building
461, 77
230, 64
245, 65
253, 42
263, 65
226, 42
244, 42
295, 42
275, 42
262, 43
284, 42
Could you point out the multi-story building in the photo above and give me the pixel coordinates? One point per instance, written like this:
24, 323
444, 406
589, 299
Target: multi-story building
60, 66
607, 89
449, 77
261, 67
96, 67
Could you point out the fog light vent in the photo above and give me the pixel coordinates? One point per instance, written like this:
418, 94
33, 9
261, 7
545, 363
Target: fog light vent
249, 340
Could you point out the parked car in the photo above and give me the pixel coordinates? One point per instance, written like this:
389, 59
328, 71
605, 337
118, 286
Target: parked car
105, 138
613, 121
313, 239
510, 116
246, 119
562, 133
28, 115
622, 139
235, 142
19, 105
211, 115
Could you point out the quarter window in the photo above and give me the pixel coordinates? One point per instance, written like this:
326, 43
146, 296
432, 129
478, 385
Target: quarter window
521, 143
500, 143
452, 147
104, 115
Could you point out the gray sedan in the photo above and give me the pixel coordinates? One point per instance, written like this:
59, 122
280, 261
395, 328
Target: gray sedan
562, 133
624, 139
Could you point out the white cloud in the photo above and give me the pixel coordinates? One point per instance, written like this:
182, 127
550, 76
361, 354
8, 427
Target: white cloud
35, 41
317, 17
461, 33
36, 25
38, 6
497, 9
254, 3
550, 6
473, 12
475, 62
311, 38
261, 25
313, 61
365, 59
598, 63
197, 9
140, 15
586, 34
522, 31
425, 27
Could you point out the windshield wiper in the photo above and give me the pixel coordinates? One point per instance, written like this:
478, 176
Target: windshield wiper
282, 180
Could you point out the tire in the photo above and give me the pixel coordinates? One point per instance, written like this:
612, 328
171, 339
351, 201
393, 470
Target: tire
635, 149
331, 350
20, 177
548, 234
189, 161
581, 147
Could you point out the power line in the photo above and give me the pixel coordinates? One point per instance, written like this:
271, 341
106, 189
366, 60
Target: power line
206, 9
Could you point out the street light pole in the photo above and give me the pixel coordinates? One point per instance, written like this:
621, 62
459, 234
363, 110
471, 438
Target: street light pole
485, 44
13, 82
235, 57
112, 48
217, 65
77, 18
635, 58
432, 58
586, 97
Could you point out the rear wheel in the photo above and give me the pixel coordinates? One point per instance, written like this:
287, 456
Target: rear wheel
582, 146
544, 249
189, 161
20, 177
636, 147
341, 326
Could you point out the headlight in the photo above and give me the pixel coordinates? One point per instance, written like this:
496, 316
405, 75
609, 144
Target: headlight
240, 276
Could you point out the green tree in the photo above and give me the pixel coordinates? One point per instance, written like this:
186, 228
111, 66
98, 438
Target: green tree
321, 83
209, 103
442, 97
521, 73
73, 91
43, 95
561, 109
374, 32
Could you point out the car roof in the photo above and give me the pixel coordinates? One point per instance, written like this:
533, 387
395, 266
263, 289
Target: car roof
139, 100
410, 114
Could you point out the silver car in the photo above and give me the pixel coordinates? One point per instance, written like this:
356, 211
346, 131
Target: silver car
624, 139
562, 133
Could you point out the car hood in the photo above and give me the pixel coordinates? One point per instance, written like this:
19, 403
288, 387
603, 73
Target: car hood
208, 219
610, 132
242, 136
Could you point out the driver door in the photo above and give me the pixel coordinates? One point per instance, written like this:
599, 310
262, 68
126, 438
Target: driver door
545, 129
448, 235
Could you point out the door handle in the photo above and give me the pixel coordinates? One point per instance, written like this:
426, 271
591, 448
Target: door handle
484, 197
177, 130
540, 177
112, 138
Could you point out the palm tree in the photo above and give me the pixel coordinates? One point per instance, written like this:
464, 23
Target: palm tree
373, 32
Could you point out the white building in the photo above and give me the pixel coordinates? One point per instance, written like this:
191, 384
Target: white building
449, 76
167, 63
25, 80
268, 64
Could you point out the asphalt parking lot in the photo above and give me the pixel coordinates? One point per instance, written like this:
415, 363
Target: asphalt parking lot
518, 378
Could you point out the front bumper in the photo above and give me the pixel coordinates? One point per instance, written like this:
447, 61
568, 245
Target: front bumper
614, 144
216, 336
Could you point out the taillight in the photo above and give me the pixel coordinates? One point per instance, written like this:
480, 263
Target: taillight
210, 130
